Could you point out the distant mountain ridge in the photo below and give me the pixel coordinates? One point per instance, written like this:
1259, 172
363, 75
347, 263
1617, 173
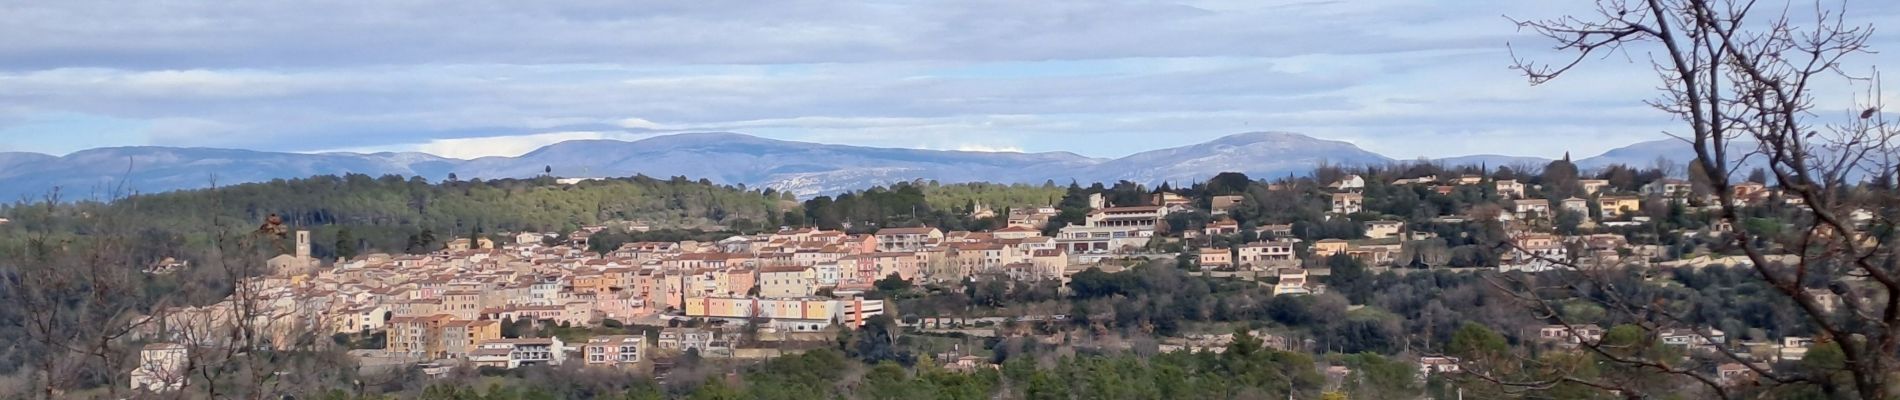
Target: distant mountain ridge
732, 158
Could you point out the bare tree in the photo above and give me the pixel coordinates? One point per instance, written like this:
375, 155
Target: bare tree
1742, 76
79, 296
242, 345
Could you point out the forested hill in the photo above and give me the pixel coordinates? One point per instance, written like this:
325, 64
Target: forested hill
391, 212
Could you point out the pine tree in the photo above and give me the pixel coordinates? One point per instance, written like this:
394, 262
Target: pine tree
345, 244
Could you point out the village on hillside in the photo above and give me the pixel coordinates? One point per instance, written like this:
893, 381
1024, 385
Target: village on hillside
538, 298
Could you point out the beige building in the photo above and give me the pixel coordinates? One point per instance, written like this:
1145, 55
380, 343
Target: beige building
1328, 247
416, 338
463, 304
786, 281
1594, 186
796, 315
1616, 206
1347, 203
460, 336
1383, 229
1216, 258
1510, 188
1017, 232
907, 239
618, 351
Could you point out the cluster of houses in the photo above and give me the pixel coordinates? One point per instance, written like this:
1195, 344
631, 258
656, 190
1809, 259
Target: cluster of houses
1710, 342
451, 305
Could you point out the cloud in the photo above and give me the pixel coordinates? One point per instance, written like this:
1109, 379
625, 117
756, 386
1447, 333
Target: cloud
508, 146
640, 123
1101, 78
988, 148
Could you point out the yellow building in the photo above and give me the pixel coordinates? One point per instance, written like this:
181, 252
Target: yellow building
1615, 206
785, 281
1327, 247
798, 315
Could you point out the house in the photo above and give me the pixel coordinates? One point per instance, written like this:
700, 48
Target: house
579, 238
1734, 373
1049, 263
1416, 181
1509, 188
1576, 205
1221, 227
787, 281
1293, 281
417, 337
967, 364
907, 239
1468, 180
1017, 232
1261, 254
463, 244
1668, 187
1275, 230
1534, 253
362, 319
614, 351
1133, 216
1216, 258
1383, 229
1747, 190
1225, 202
463, 304
1429, 365
1347, 203
1615, 206
981, 211
796, 315
1571, 335
1102, 239
1035, 218
1170, 199
1372, 255
161, 367
1689, 338
1350, 182
1794, 348
1531, 208
515, 353
459, 337
1327, 247
1593, 186
706, 341
528, 238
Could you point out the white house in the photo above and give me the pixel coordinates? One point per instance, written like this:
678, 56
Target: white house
161, 367
1350, 182
514, 353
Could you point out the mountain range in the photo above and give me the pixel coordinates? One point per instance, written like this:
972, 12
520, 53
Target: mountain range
800, 167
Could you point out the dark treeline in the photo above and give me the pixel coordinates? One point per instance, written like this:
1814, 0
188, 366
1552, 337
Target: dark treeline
359, 213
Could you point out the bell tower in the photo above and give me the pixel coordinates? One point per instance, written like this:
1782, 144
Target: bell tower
303, 244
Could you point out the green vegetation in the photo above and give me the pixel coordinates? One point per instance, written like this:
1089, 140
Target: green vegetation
393, 214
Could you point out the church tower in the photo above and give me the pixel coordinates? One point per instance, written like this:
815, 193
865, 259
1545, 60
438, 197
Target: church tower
303, 244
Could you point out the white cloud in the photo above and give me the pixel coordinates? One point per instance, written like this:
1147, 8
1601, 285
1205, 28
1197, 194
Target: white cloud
508, 146
640, 123
988, 148
1107, 78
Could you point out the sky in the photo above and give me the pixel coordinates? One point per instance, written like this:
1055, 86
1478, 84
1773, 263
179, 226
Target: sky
471, 78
